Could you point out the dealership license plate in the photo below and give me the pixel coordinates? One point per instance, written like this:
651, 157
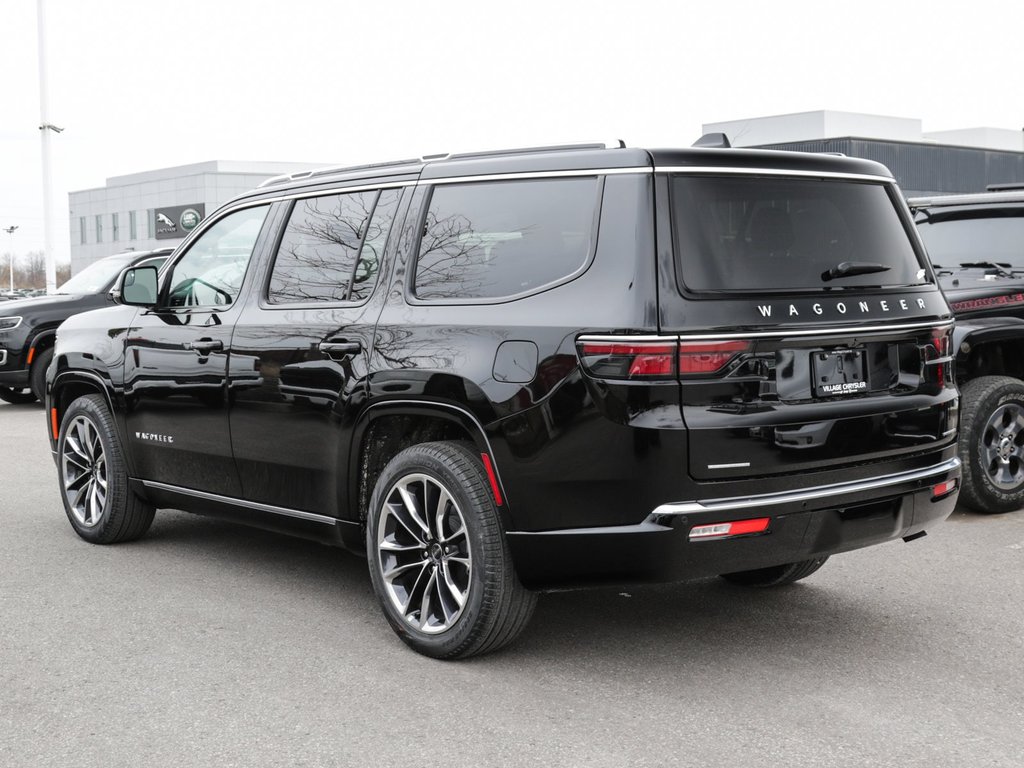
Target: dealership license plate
838, 373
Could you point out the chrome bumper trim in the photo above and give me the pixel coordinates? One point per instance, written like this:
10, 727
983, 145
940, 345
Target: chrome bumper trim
805, 494
3, 357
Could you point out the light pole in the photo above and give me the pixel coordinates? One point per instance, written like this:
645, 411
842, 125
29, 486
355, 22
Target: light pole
10, 231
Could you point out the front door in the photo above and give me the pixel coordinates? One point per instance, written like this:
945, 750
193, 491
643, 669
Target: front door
176, 360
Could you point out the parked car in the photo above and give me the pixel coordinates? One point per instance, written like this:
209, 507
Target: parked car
494, 374
28, 325
977, 244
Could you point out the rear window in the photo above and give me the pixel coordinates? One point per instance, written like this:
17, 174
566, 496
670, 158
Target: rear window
501, 239
975, 237
758, 234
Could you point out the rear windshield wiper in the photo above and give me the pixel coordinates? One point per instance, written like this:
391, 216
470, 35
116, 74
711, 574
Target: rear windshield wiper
851, 268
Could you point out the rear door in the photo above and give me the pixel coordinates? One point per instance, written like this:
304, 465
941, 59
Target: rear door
299, 353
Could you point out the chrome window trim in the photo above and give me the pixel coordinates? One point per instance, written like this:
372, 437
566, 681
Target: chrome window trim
804, 494
312, 516
754, 171
833, 331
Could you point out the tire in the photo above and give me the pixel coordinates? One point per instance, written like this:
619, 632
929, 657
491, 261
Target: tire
17, 396
992, 443
776, 575
94, 480
479, 605
37, 375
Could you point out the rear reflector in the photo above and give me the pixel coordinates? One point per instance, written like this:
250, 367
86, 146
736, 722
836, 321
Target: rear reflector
735, 528
943, 489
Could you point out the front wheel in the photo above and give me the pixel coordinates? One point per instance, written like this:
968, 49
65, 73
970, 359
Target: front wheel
439, 561
37, 375
94, 479
992, 443
776, 575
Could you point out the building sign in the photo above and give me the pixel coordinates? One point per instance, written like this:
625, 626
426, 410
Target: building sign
176, 221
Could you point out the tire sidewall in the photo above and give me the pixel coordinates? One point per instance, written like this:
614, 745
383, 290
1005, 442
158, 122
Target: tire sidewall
37, 374
96, 413
981, 492
475, 511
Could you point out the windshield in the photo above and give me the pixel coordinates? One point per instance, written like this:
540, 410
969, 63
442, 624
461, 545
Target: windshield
951, 242
747, 233
98, 276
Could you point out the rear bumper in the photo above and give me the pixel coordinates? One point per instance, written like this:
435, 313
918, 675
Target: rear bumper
804, 523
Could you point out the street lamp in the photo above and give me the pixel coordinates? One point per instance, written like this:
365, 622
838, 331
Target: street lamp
10, 231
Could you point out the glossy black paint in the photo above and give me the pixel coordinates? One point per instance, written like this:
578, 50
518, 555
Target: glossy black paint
285, 410
42, 315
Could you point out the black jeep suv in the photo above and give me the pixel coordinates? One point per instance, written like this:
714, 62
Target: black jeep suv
976, 242
499, 373
28, 326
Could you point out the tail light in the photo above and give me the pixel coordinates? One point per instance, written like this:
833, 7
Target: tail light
937, 354
662, 358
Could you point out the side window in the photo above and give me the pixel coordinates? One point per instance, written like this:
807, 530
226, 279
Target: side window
331, 248
211, 272
498, 239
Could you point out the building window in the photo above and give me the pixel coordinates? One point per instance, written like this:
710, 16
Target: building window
81, 229
113, 227
99, 228
133, 231
151, 219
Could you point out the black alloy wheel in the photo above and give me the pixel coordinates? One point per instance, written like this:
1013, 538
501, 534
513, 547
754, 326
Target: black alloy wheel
992, 443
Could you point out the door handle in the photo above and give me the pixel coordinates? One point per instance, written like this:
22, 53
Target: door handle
205, 346
340, 348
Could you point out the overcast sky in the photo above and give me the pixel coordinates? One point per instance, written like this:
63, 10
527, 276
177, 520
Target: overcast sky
141, 84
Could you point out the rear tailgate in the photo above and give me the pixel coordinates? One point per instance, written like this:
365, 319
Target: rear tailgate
792, 403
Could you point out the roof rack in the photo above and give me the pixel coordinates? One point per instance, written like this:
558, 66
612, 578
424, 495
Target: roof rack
332, 170
1006, 187
614, 144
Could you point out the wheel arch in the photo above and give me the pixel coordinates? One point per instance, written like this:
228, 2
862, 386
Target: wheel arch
68, 386
384, 429
988, 347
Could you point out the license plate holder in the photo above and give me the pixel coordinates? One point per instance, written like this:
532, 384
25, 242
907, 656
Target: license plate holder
839, 373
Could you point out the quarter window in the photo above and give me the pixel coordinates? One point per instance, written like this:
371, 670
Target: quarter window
501, 239
211, 272
332, 247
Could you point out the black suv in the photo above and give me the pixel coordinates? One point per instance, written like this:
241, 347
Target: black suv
499, 373
28, 326
976, 242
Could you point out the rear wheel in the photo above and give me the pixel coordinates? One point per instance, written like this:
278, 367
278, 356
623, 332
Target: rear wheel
17, 396
992, 443
94, 479
439, 562
37, 376
777, 575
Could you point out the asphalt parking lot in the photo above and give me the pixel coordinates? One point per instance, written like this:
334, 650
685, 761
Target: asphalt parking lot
211, 644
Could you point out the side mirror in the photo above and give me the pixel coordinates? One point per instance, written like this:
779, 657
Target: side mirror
137, 287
